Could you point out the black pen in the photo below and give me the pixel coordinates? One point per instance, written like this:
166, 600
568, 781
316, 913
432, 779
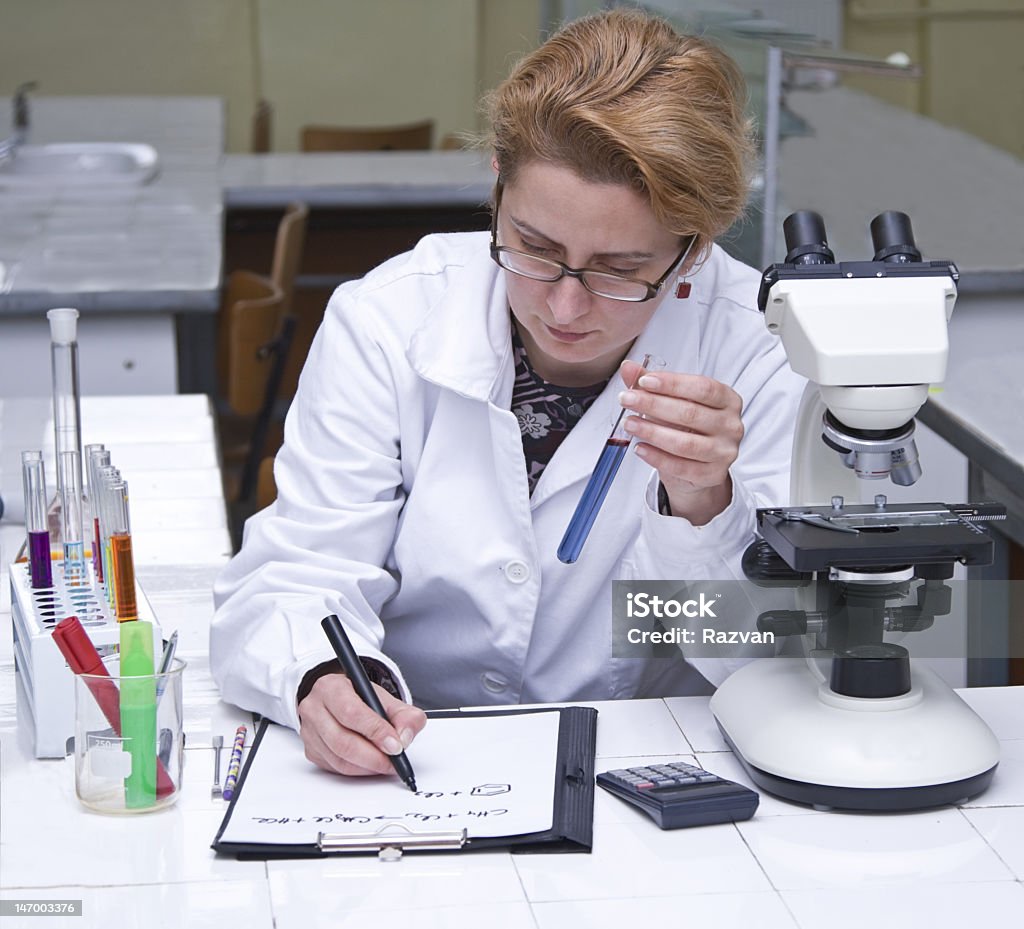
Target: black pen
353, 667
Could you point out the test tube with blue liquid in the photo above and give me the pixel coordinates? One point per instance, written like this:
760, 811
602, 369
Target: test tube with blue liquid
36, 503
597, 488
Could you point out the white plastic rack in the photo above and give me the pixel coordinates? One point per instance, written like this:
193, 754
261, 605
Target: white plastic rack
45, 683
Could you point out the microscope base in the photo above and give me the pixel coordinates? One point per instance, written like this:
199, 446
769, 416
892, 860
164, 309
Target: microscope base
802, 742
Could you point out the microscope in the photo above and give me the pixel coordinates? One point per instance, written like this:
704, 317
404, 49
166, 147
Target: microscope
852, 723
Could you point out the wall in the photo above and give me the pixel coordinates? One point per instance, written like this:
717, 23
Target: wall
355, 62
970, 51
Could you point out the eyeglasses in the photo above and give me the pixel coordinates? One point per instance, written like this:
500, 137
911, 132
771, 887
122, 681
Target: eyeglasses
600, 283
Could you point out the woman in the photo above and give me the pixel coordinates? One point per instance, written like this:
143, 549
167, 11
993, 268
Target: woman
456, 399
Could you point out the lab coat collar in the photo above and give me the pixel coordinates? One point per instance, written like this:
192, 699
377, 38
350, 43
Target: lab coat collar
464, 344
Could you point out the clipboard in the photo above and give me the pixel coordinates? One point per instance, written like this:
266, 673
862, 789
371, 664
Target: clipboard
572, 810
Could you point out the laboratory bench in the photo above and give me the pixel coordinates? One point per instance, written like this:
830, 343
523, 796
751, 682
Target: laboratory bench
979, 410
789, 866
144, 264
133, 259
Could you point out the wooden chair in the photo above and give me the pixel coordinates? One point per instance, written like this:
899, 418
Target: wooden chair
415, 136
253, 346
288, 247
250, 318
454, 142
254, 336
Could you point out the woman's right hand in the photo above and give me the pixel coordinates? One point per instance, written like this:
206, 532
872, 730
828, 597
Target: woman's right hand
341, 733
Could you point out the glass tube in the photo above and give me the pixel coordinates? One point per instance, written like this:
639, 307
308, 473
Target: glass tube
38, 533
69, 475
67, 431
125, 605
87, 477
108, 476
598, 486
96, 457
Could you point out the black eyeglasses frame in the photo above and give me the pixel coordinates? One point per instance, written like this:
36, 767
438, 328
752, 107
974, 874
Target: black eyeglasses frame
653, 289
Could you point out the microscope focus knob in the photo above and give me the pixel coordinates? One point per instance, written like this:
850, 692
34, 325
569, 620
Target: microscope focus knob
873, 671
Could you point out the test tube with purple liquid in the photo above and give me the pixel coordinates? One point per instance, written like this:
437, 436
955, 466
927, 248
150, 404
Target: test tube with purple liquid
36, 501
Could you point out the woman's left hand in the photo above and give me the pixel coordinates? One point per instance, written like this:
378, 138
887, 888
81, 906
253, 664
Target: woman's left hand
690, 434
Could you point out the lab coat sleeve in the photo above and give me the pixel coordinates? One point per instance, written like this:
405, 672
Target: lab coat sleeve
671, 548
321, 547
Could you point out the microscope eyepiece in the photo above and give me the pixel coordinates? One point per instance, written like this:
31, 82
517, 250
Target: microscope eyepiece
806, 242
893, 238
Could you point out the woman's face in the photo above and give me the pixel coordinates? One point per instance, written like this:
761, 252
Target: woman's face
573, 337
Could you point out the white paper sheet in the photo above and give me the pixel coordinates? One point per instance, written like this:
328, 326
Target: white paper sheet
492, 775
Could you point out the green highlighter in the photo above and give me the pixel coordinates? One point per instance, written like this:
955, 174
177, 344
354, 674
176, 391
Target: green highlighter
138, 712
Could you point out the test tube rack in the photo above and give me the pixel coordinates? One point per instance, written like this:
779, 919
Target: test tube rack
45, 683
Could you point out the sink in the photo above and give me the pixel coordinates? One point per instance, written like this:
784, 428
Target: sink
73, 164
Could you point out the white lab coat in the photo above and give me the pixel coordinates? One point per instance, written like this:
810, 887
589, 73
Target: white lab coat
404, 507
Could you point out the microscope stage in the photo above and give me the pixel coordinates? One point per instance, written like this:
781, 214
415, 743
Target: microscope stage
815, 538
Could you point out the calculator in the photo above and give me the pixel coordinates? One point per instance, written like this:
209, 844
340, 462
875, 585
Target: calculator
677, 794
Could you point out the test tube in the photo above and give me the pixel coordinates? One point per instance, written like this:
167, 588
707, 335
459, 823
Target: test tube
67, 431
597, 487
34, 481
69, 476
108, 476
125, 606
96, 457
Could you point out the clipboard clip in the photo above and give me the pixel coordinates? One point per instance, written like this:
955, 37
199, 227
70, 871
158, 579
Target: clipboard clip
391, 841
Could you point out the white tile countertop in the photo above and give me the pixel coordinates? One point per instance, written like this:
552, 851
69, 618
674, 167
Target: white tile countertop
789, 866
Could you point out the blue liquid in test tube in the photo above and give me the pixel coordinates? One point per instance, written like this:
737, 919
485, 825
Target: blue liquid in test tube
597, 488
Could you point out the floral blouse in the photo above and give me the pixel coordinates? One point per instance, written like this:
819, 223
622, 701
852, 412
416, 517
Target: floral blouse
545, 412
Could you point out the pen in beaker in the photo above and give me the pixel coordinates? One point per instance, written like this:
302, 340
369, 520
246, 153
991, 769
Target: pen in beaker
597, 487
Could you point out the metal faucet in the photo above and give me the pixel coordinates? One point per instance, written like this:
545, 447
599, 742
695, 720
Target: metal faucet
20, 121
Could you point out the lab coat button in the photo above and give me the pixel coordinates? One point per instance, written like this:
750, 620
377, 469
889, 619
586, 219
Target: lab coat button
517, 571
495, 683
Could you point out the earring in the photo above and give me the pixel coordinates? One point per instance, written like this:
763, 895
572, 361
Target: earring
682, 290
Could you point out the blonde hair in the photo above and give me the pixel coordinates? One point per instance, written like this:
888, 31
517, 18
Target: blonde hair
620, 97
